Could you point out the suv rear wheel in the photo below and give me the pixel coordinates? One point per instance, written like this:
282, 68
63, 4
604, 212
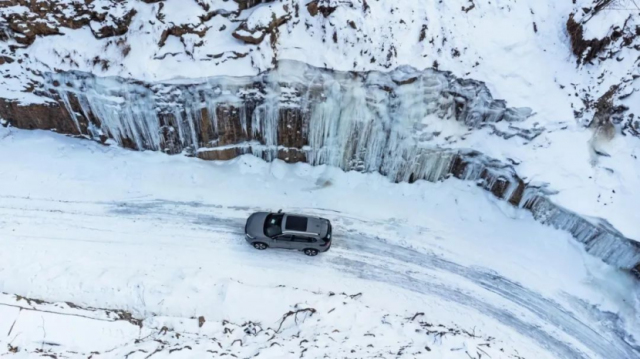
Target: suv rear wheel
310, 252
259, 246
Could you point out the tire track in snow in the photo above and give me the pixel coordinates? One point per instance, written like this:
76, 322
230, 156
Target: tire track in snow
603, 341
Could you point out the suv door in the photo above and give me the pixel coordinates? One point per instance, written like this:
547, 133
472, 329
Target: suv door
283, 241
301, 242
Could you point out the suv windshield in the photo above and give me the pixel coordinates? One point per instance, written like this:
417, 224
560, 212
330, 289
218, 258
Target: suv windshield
273, 225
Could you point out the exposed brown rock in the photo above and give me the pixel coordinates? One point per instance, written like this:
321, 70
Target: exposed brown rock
312, 7
246, 4
45, 18
458, 167
585, 50
9, 3
170, 139
220, 154
407, 81
120, 26
26, 29
292, 155
5, 60
517, 195
249, 37
50, 116
291, 132
230, 126
179, 31
605, 110
256, 35
320, 6
499, 187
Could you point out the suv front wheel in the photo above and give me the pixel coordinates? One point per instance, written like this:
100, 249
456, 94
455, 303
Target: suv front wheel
260, 246
310, 252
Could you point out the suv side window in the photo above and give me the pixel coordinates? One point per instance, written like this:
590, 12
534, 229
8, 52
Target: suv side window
302, 239
285, 237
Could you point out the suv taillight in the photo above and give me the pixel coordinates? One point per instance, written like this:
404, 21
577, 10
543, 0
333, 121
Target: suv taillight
327, 239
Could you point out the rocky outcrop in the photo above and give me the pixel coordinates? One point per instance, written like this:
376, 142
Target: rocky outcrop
616, 45
585, 50
117, 26
49, 116
45, 18
323, 7
180, 31
247, 4
371, 122
619, 35
258, 26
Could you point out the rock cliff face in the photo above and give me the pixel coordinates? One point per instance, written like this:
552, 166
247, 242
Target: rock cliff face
391, 123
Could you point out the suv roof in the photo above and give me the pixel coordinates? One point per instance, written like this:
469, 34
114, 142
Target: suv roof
311, 226
295, 223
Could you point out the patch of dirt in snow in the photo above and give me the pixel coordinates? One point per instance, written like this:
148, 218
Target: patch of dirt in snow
325, 324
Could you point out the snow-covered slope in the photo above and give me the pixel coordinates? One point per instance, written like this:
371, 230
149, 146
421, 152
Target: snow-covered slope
521, 49
312, 324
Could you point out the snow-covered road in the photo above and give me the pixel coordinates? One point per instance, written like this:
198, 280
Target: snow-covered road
198, 227
159, 235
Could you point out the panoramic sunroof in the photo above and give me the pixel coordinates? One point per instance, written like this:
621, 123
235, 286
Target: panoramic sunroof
295, 223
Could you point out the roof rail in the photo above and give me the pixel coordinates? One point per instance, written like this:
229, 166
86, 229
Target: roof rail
299, 232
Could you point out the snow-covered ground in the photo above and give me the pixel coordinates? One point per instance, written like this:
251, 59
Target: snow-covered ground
324, 323
160, 237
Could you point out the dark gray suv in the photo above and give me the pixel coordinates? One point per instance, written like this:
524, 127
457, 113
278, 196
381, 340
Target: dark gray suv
289, 231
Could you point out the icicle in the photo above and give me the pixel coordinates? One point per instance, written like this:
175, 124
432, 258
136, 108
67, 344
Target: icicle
212, 105
599, 240
242, 116
265, 125
65, 99
194, 118
182, 131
